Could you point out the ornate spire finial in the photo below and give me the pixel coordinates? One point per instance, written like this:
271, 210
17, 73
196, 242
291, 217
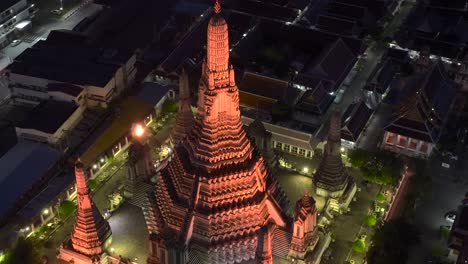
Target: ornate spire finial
217, 7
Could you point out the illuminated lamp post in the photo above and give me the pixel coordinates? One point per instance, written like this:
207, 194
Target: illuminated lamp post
138, 131
139, 161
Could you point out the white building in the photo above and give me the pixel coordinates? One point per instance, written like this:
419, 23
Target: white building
64, 67
15, 16
288, 140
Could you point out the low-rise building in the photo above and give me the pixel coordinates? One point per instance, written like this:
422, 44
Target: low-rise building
65, 62
286, 140
354, 120
17, 176
423, 103
259, 94
15, 16
50, 122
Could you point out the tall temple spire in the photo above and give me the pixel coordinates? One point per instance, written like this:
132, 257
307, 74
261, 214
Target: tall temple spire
184, 118
217, 7
216, 199
218, 113
90, 230
331, 177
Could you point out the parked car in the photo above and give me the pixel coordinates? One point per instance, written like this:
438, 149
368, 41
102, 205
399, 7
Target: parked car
15, 42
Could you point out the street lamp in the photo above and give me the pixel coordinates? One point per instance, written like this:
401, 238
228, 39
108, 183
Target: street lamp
305, 170
45, 211
138, 130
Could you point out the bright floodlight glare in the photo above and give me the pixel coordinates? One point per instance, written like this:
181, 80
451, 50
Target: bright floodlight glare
46, 211
138, 130
342, 149
305, 169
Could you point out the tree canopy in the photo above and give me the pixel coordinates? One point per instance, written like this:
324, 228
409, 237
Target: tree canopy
22, 251
380, 167
392, 241
169, 106
359, 245
380, 197
92, 184
371, 220
66, 208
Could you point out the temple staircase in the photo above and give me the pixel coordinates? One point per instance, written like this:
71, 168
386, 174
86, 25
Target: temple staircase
140, 195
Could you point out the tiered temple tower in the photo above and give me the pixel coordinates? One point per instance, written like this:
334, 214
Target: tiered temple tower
304, 233
90, 232
331, 178
263, 142
216, 202
184, 118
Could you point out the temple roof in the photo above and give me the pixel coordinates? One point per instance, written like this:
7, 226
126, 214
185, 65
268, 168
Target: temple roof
264, 86
315, 101
425, 111
355, 119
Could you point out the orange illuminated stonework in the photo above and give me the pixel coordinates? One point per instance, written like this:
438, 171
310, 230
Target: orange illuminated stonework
217, 201
184, 118
90, 231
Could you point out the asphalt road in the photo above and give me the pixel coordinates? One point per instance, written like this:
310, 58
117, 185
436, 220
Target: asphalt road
447, 189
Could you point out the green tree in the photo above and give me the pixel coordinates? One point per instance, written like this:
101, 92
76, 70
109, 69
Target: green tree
66, 208
92, 184
358, 157
359, 246
23, 251
371, 220
391, 242
380, 167
380, 197
169, 106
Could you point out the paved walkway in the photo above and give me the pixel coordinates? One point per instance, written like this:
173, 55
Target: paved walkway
295, 185
347, 227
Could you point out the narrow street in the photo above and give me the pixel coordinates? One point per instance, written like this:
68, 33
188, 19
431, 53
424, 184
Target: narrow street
447, 188
348, 226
